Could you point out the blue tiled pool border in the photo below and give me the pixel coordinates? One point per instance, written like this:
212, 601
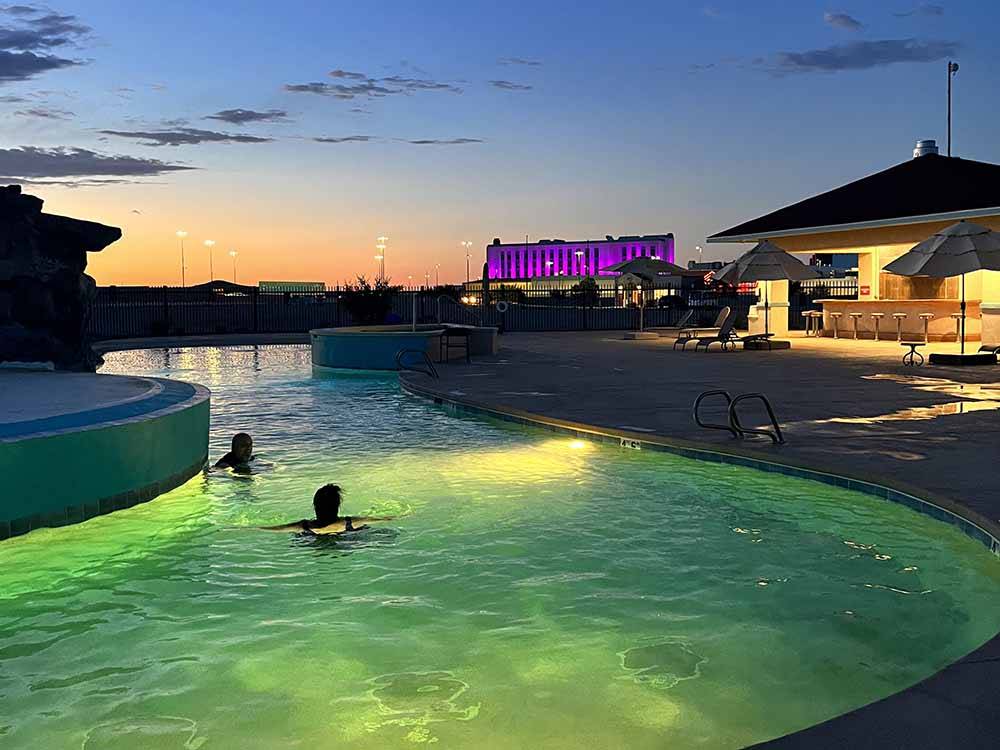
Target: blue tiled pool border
625, 439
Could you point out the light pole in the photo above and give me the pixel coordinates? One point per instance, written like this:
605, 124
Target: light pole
698, 248
952, 70
380, 245
427, 279
211, 264
233, 254
437, 274
468, 255
181, 234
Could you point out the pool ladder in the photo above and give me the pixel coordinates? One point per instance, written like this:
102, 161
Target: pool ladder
735, 427
423, 363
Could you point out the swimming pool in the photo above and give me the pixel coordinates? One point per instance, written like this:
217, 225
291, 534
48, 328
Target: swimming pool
535, 591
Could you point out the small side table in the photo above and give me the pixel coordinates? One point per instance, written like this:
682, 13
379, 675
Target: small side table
909, 358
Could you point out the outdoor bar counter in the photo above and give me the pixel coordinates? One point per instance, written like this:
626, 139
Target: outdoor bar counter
940, 328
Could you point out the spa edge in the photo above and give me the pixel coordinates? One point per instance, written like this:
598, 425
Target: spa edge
879, 218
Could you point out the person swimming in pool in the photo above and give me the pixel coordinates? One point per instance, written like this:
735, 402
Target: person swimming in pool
240, 453
326, 504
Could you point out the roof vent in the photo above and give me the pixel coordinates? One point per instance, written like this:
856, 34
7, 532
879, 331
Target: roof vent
925, 147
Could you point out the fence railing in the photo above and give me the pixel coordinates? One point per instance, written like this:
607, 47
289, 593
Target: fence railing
802, 296
137, 312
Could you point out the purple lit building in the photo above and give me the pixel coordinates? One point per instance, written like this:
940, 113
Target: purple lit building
548, 258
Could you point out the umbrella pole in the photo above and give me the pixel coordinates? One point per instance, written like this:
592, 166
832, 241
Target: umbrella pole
962, 308
767, 310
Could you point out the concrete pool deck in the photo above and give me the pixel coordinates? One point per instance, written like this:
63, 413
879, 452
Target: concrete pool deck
847, 407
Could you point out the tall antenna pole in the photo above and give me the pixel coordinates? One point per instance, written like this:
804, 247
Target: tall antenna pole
952, 70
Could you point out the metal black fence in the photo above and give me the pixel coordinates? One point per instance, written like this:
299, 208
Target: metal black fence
802, 296
131, 312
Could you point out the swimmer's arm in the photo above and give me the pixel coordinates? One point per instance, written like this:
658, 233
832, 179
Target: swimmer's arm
371, 519
297, 526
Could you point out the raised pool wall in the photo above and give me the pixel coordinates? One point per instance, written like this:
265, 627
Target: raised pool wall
370, 347
66, 469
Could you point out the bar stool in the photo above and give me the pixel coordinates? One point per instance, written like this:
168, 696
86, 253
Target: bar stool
807, 314
817, 320
900, 317
957, 317
926, 317
836, 323
855, 317
877, 317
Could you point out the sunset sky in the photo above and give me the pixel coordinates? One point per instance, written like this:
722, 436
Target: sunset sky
298, 132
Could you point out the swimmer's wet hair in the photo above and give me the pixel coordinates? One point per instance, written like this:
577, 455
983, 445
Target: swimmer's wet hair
326, 503
241, 437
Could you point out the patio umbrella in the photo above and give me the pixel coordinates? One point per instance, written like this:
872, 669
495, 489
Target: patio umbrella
766, 262
954, 251
646, 267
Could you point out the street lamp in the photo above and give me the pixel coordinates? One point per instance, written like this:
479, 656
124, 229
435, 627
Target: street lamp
437, 274
380, 245
181, 234
578, 254
698, 248
211, 265
233, 254
468, 254
427, 279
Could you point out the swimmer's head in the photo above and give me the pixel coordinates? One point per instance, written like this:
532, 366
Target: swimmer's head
326, 503
242, 447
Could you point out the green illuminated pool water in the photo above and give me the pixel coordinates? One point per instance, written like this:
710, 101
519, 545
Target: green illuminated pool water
535, 592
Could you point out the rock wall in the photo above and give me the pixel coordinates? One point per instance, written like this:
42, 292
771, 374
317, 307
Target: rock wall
45, 296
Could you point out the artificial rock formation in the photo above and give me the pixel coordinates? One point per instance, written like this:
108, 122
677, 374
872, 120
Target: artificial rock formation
45, 296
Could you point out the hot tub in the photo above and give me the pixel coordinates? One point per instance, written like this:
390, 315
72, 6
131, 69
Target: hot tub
371, 347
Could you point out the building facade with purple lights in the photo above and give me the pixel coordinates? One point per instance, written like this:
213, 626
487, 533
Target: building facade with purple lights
554, 258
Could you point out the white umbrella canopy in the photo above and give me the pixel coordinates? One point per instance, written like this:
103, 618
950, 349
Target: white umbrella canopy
954, 251
646, 266
960, 248
766, 262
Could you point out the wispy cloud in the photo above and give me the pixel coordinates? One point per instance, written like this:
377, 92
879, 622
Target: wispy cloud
700, 67
518, 61
183, 137
32, 163
345, 139
924, 9
247, 116
411, 141
511, 86
443, 142
26, 47
710, 11
46, 113
842, 21
860, 55
351, 85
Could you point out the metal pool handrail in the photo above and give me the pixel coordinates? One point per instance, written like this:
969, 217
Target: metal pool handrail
430, 370
776, 437
735, 427
709, 425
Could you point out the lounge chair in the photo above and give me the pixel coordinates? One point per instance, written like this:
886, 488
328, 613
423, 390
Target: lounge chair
673, 331
690, 334
727, 337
